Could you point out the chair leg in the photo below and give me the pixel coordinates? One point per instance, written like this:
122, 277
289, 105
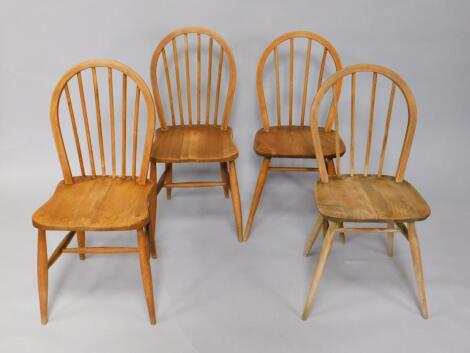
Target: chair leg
325, 226
237, 209
325, 250
416, 257
224, 177
42, 275
390, 240
168, 179
146, 272
153, 212
313, 236
81, 243
342, 236
263, 172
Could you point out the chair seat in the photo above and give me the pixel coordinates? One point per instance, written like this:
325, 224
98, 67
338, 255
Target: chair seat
95, 203
369, 199
201, 143
294, 142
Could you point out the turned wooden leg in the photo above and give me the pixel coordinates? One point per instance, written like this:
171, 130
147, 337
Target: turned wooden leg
152, 227
42, 274
342, 236
237, 209
263, 172
81, 243
390, 240
325, 226
146, 272
327, 243
224, 177
416, 257
313, 236
168, 179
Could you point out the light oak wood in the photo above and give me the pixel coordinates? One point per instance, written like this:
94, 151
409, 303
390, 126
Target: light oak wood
193, 144
196, 139
42, 275
81, 243
325, 250
146, 273
293, 142
369, 198
153, 213
236, 203
60, 248
416, 257
263, 172
101, 204
91, 202
313, 236
100, 250
286, 138
390, 240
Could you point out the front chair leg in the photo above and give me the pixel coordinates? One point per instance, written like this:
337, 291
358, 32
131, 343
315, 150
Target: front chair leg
416, 257
146, 272
224, 177
263, 172
237, 209
81, 243
42, 274
152, 227
325, 250
313, 236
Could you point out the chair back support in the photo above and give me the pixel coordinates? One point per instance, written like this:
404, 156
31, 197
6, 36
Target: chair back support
85, 131
378, 73
312, 76
202, 84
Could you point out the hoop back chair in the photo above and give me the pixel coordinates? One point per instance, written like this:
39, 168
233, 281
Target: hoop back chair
367, 197
196, 129
99, 198
283, 136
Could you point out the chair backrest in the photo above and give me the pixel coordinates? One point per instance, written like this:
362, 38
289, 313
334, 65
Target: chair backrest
206, 43
85, 127
386, 76
328, 54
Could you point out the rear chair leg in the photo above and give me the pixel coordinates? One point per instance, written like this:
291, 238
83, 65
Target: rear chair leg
81, 243
168, 179
313, 236
263, 172
152, 227
42, 275
146, 272
325, 250
416, 257
224, 177
390, 240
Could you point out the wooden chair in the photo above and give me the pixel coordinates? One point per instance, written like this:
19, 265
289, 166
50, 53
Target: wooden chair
282, 138
367, 198
98, 199
195, 135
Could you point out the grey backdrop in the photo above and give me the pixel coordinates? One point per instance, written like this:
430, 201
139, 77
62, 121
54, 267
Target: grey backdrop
214, 294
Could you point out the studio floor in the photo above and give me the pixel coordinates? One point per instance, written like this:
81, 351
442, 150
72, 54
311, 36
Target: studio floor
214, 294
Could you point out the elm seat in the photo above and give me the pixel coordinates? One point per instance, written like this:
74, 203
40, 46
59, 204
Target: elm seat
195, 143
370, 198
96, 203
294, 142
